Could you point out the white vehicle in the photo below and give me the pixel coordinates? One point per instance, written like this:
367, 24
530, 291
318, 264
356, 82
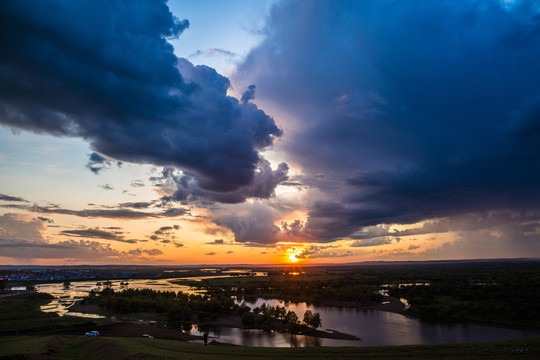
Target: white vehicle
92, 333
148, 336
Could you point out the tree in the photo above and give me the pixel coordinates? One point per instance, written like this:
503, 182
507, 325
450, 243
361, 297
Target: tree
249, 319
316, 320
312, 320
307, 317
291, 321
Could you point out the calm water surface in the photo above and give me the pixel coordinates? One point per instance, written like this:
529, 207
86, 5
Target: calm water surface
375, 328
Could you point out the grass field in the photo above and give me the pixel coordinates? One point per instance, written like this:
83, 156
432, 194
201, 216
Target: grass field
82, 348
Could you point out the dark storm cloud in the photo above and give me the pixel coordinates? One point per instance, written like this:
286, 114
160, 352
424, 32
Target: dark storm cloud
11, 198
98, 234
411, 110
500, 221
103, 71
101, 213
262, 186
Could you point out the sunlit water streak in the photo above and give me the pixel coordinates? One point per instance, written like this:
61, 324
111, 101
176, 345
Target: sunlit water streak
65, 297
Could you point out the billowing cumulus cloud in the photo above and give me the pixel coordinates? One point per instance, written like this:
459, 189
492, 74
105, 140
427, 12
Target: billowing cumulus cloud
262, 186
21, 228
254, 227
402, 111
104, 71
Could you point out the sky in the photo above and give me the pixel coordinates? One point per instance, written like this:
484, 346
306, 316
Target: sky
268, 132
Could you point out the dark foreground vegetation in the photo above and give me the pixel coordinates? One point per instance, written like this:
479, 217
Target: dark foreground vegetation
500, 293
62, 347
21, 314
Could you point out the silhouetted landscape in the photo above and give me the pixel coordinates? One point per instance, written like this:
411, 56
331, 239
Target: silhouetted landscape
231, 305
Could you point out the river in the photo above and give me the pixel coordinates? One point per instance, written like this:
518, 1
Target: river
374, 328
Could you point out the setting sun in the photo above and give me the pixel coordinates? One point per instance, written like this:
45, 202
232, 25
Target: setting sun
292, 254
293, 258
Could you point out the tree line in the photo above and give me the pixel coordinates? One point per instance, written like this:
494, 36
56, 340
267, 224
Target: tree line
183, 307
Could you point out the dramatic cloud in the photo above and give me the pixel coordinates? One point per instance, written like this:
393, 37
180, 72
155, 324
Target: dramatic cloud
262, 186
402, 111
256, 227
98, 234
104, 71
101, 213
11, 198
499, 221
